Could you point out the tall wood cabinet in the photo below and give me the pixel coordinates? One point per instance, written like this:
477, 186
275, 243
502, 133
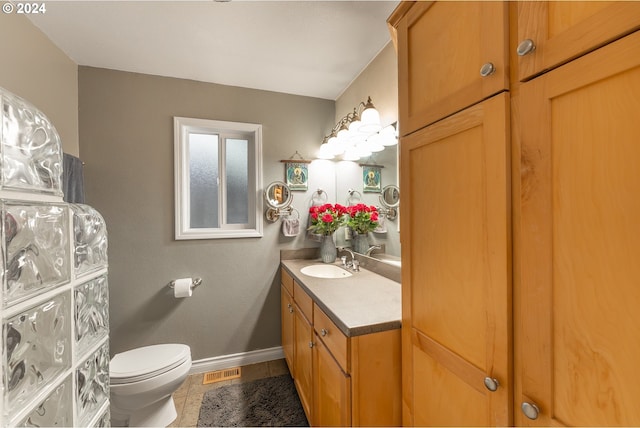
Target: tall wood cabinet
519, 276
456, 328
580, 279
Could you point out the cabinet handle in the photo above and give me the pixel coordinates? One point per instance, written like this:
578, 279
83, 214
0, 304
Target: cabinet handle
310, 344
491, 384
324, 332
290, 308
526, 47
487, 69
530, 410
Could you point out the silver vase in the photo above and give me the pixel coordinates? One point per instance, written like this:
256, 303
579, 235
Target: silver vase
361, 243
328, 252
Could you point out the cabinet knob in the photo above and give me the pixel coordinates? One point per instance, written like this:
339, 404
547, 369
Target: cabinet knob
526, 47
310, 344
491, 384
324, 332
487, 69
530, 410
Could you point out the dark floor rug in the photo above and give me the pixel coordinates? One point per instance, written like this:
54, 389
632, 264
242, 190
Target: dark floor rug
272, 401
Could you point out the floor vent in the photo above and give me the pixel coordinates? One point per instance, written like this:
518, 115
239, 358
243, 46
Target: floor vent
220, 375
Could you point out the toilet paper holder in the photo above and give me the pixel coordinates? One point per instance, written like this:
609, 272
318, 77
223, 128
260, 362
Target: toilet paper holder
194, 283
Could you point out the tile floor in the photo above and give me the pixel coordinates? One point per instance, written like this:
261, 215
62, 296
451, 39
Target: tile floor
189, 396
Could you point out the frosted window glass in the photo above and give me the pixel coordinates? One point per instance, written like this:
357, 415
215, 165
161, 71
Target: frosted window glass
203, 179
237, 175
218, 174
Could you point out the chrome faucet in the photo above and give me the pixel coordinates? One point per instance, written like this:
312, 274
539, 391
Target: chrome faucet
353, 263
371, 248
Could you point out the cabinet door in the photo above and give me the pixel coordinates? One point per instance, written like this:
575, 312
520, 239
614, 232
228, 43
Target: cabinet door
441, 48
578, 306
287, 321
456, 296
303, 360
332, 389
563, 30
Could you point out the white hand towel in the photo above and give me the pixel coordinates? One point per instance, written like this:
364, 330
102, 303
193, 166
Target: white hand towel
290, 226
382, 227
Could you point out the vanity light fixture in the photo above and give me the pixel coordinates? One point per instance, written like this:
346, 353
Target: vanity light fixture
358, 134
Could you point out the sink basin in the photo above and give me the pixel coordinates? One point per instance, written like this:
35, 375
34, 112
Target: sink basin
325, 271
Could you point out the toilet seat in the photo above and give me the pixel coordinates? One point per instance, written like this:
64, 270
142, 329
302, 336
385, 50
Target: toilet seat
147, 362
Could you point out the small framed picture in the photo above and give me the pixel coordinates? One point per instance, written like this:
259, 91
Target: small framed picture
297, 175
371, 178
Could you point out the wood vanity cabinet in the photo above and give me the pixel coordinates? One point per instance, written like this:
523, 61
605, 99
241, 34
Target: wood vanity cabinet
519, 272
341, 380
303, 348
332, 393
552, 33
287, 317
356, 379
442, 47
297, 337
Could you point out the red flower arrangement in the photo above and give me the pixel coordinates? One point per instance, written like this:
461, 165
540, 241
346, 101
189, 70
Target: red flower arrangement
327, 218
362, 218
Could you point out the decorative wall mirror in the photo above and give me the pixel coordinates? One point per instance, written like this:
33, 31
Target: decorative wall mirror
390, 200
279, 198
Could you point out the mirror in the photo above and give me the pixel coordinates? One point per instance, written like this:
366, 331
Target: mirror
278, 197
349, 176
390, 197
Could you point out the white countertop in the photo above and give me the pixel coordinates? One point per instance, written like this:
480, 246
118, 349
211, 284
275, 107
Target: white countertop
360, 304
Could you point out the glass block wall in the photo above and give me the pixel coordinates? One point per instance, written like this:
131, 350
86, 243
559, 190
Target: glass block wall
54, 294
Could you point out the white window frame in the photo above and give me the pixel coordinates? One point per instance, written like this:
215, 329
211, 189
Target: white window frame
183, 126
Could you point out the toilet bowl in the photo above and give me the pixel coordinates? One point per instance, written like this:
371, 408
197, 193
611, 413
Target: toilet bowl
142, 381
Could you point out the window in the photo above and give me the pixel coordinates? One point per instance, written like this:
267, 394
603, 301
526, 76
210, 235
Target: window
218, 172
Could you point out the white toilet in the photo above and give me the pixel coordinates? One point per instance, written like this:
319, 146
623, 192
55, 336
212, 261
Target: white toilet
142, 381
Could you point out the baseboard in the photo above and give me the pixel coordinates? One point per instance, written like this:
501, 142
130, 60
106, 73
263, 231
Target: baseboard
234, 360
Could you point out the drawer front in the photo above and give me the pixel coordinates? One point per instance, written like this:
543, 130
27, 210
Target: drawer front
286, 280
333, 338
303, 301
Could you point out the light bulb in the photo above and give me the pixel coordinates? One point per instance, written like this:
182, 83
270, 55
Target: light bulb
351, 155
325, 152
370, 118
388, 136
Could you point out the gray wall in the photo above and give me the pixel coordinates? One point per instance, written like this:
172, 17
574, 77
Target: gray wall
36, 70
126, 140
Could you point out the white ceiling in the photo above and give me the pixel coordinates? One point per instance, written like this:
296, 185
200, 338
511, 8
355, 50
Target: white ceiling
311, 48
